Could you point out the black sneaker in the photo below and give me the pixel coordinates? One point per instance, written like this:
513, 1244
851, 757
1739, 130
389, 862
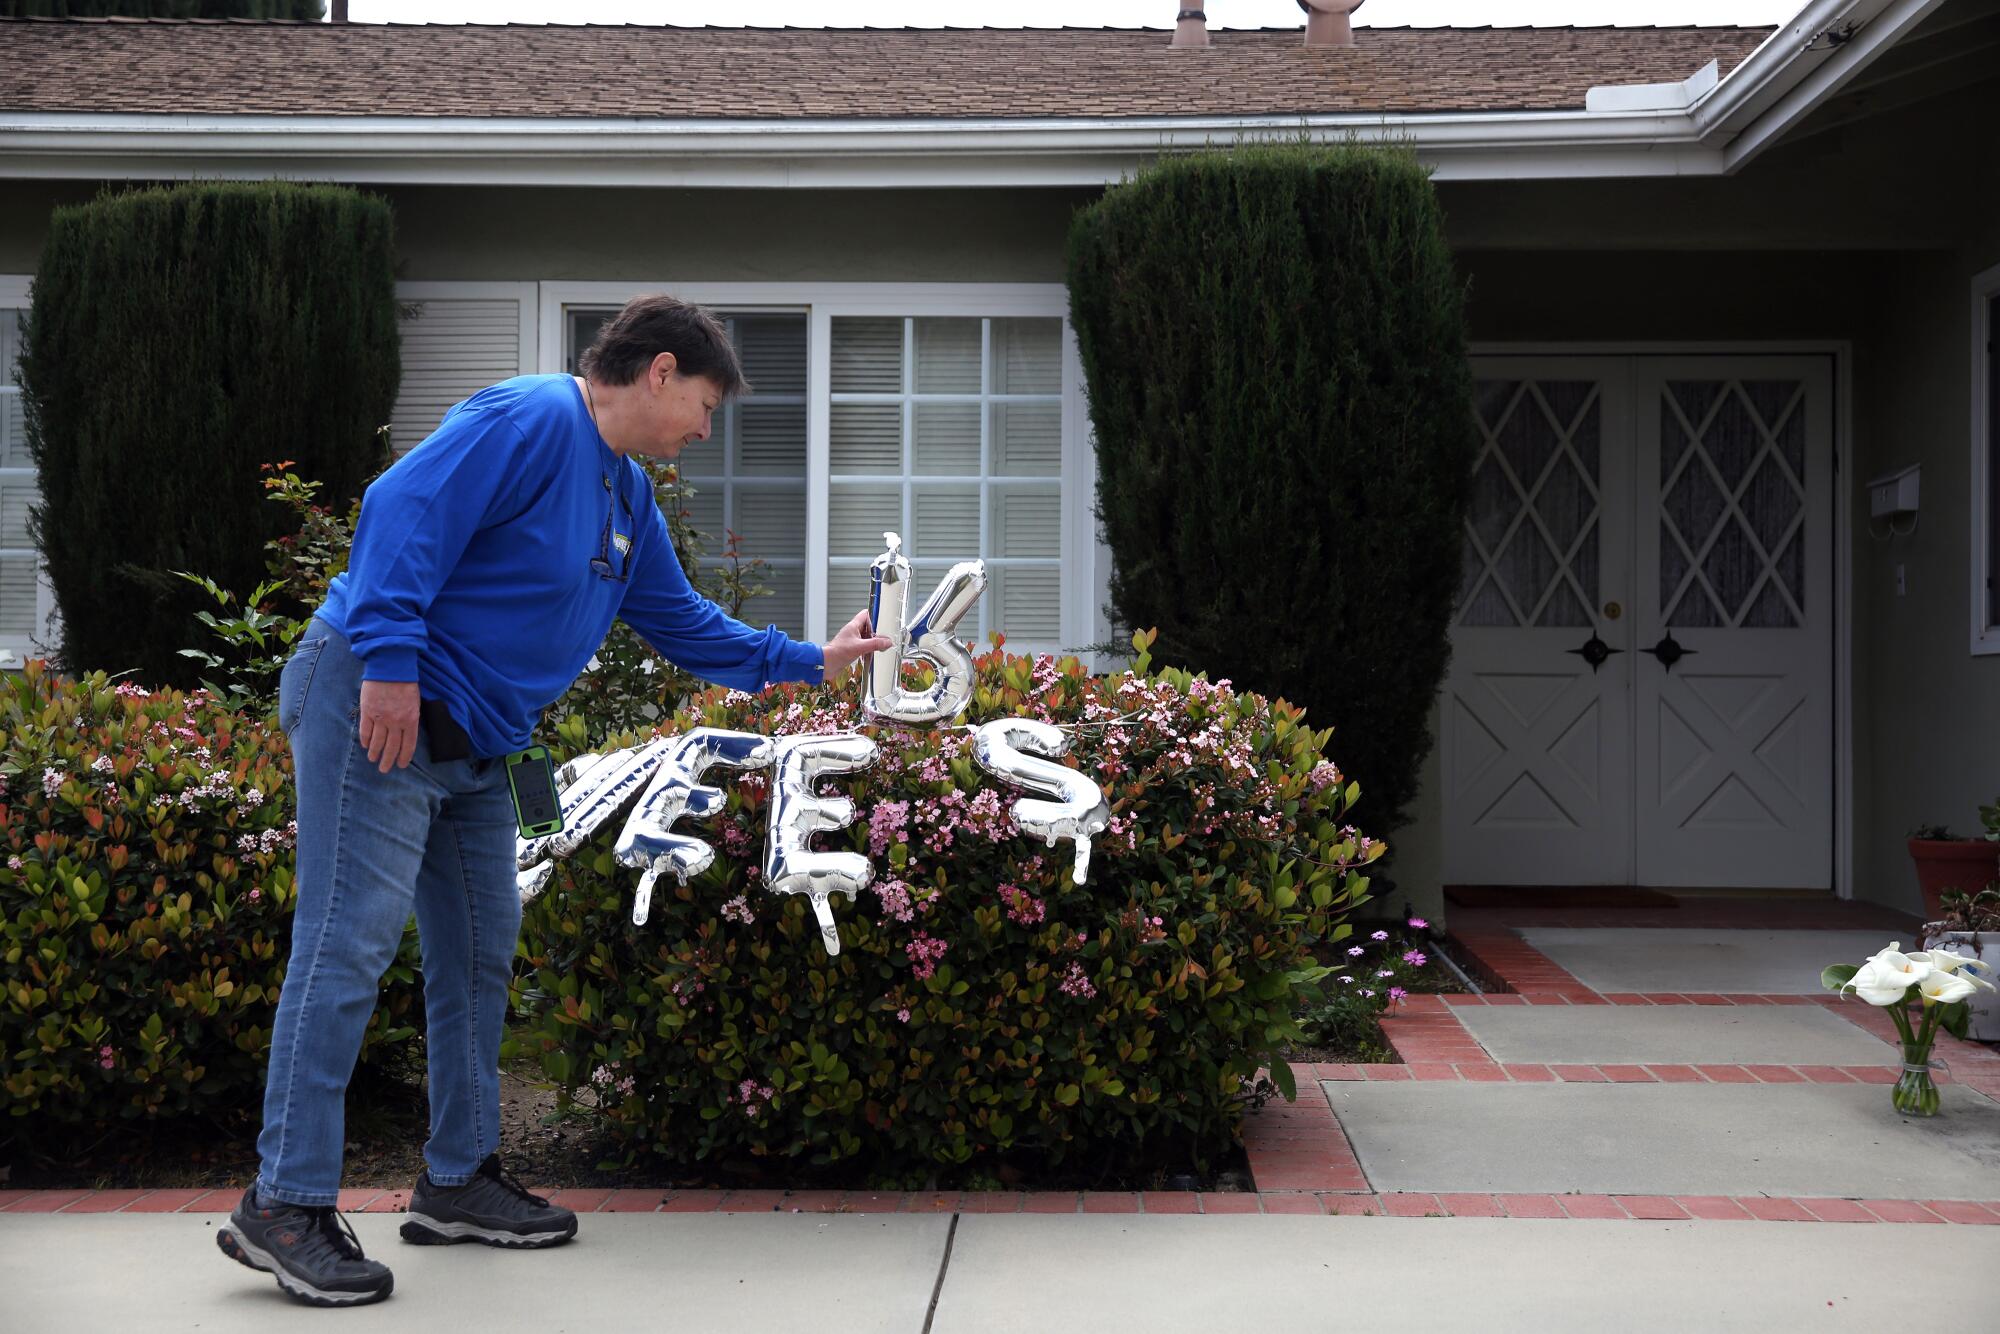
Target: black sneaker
492, 1208
312, 1252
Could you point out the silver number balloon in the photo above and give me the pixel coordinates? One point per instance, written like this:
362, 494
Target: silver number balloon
648, 841
1009, 749
926, 635
796, 814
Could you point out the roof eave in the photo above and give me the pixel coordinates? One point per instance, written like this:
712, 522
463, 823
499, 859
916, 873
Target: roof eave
809, 153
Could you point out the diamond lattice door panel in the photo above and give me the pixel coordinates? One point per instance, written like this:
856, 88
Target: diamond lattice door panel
1734, 686
1535, 745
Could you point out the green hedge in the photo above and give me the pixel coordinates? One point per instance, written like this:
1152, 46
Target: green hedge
1275, 352
145, 897
178, 339
982, 1006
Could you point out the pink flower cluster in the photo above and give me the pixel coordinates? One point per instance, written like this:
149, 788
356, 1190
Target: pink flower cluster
925, 953
738, 910
1075, 983
753, 1096
888, 825
1023, 908
895, 896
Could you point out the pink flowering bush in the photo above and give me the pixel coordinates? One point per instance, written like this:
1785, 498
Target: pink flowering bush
147, 839
982, 1005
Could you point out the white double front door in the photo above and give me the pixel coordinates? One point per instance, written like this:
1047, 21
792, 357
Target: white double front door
1641, 687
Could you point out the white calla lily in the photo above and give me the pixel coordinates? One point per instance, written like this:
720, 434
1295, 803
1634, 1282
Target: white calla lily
1941, 988
1944, 961
1878, 985
1892, 963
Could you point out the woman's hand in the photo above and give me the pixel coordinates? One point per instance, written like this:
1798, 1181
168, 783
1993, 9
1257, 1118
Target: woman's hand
856, 640
389, 722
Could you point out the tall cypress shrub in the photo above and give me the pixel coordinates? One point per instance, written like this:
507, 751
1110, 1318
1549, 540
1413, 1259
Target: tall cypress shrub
1274, 345
177, 339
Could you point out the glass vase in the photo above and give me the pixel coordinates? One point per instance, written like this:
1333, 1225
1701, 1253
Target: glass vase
1915, 1094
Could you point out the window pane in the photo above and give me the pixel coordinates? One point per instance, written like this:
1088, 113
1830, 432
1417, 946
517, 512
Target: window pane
857, 516
17, 596
944, 523
1027, 357
13, 432
947, 356
1027, 439
771, 522
846, 593
867, 356
773, 350
1026, 602
10, 343
704, 510
770, 439
784, 606
1025, 522
16, 495
947, 439
867, 438
583, 327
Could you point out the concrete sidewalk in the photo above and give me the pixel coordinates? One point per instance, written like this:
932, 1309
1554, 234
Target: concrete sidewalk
831, 1273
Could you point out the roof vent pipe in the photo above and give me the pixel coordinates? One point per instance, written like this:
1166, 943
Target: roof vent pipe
1190, 28
1326, 21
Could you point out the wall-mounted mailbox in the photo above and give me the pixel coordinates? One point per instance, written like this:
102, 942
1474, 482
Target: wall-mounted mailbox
1894, 494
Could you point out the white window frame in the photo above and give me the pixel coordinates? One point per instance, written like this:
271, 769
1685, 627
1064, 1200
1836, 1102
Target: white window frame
16, 649
1985, 629
1085, 583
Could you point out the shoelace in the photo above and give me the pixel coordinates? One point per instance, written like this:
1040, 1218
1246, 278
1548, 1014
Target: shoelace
330, 1232
508, 1180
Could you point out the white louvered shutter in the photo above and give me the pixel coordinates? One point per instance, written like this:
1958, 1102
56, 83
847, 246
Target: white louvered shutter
20, 592
452, 348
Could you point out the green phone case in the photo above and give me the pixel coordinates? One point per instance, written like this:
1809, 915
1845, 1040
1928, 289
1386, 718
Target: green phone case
531, 777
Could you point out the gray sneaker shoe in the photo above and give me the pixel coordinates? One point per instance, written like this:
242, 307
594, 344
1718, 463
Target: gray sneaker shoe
313, 1254
492, 1208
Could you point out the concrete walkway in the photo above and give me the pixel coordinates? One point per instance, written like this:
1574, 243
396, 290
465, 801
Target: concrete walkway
834, 1273
1679, 1136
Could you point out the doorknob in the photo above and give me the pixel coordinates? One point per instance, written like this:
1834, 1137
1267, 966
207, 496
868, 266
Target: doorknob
1595, 652
1669, 651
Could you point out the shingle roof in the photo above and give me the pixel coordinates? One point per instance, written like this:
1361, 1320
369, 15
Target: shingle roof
192, 66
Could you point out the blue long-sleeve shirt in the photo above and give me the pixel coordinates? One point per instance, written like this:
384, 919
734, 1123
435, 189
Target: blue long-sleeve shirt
471, 569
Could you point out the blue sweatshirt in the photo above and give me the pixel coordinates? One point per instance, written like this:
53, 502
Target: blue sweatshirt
471, 569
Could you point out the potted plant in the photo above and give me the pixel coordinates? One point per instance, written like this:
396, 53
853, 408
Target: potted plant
1938, 983
1965, 865
1970, 926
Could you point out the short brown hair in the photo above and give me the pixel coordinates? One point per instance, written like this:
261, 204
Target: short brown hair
656, 323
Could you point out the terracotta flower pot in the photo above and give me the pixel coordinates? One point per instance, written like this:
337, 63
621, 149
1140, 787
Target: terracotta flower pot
1966, 865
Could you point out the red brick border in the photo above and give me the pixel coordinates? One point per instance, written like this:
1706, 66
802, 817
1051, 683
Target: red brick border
1312, 1202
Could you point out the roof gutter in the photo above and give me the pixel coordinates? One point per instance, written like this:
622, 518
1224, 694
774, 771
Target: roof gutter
823, 153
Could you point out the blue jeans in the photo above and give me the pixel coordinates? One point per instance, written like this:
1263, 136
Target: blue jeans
438, 837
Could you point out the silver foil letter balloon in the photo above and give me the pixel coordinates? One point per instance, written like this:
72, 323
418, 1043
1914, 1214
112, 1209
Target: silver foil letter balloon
796, 814
926, 635
648, 841
1008, 748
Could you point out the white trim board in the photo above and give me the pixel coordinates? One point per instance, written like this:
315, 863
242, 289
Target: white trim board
1985, 636
1845, 830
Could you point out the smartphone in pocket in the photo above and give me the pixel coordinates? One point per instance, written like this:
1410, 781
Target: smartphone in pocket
531, 776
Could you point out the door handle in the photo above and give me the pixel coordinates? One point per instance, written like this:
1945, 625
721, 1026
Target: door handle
1669, 651
1595, 652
